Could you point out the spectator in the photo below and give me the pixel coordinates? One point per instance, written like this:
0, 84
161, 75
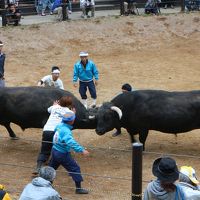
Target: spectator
125, 88
152, 7
63, 142
41, 187
189, 183
45, 4
56, 112
57, 9
13, 15
38, 6
85, 70
52, 80
166, 171
2, 63
86, 6
3, 194
129, 7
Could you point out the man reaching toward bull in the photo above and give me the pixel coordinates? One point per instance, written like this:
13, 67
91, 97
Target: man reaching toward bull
56, 111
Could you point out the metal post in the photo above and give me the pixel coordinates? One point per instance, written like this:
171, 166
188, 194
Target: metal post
182, 5
121, 7
4, 20
137, 171
64, 11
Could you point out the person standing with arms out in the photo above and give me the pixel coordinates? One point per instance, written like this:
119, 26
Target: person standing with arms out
63, 142
52, 80
2, 62
86, 71
57, 110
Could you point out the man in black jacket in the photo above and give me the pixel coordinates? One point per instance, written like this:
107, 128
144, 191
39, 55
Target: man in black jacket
2, 61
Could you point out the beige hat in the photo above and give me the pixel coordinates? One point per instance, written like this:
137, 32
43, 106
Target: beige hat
190, 173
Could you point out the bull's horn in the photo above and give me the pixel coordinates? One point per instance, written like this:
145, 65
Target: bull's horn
91, 116
118, 110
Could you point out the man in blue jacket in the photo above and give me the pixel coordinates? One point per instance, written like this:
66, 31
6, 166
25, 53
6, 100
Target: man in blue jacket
57, 9
63, 142
85, 70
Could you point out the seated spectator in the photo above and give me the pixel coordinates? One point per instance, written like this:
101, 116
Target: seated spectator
3, 194
86, 6
13, 15
125, 88
129, 7
57, 9
189, 183
41, 187
152, 7
164, 187
52, 80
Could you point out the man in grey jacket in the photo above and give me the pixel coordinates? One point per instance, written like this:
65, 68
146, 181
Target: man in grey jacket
41, 187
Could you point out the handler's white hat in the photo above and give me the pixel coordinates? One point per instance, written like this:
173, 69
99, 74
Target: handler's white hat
56, 71
82, 53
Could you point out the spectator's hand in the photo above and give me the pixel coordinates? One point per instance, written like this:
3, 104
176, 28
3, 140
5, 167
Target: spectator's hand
75, 84
96, 82
86, 153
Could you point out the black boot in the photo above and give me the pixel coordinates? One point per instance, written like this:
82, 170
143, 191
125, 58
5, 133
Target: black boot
80, 190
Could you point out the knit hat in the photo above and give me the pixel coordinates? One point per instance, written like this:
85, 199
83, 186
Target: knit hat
190, 173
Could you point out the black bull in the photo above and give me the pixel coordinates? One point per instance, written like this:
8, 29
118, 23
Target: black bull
27, 107
144, 110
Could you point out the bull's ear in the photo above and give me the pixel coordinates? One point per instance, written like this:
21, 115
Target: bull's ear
118, 110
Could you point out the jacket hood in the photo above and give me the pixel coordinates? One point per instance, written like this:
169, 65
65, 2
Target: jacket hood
158, 192
40, 182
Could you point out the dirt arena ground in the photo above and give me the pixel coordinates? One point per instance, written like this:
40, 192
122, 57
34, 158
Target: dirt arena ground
158, 52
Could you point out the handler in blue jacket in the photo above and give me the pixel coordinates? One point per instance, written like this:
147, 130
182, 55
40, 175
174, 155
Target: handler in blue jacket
63, 142
85, 70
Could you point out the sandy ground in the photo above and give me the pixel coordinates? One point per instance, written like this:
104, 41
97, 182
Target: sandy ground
155, 52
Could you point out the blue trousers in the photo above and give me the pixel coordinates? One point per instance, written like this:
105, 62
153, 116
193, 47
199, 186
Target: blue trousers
66, 160
83, 89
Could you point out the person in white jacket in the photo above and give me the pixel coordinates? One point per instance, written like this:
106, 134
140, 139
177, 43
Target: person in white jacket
57, 110
41, 187
189, 183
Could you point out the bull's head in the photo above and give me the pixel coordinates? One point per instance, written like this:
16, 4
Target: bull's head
108, 117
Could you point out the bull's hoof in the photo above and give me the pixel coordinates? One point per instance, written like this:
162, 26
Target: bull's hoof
14, 138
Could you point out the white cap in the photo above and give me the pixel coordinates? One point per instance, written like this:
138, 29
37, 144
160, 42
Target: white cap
190, 173
82, 53
1, 44
56, 71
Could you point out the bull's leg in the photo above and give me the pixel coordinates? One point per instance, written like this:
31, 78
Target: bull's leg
10, 131
143, 136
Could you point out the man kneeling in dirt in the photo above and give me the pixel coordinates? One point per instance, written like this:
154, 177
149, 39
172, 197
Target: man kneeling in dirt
86, 6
